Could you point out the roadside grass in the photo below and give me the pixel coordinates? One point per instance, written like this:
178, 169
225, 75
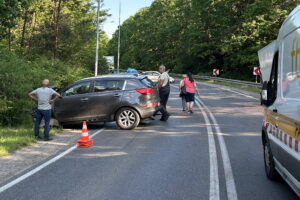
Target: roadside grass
13, 138
233, 85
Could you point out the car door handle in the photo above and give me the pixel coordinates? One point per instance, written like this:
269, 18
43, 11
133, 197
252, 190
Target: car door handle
117, 95
84, 99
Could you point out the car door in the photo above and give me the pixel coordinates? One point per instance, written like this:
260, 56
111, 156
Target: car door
73, 105
106, 96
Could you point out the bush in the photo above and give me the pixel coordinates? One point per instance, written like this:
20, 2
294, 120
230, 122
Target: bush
18, 77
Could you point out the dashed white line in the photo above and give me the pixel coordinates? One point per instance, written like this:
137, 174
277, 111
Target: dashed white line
42, 166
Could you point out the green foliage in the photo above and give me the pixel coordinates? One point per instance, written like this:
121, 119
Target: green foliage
9, 11
53, 39
18, 77
199, 35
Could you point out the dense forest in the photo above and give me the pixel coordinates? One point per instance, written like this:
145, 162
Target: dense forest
39, 39
199, 35
55, 39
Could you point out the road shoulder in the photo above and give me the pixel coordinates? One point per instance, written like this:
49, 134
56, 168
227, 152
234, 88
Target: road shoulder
27, 157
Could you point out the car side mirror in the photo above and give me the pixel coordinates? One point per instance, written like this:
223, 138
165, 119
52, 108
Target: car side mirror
264, 94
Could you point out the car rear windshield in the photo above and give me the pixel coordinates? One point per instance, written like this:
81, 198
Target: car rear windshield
147, 82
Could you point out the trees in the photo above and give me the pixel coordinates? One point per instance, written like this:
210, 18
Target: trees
58, 29
199, 35
39, 39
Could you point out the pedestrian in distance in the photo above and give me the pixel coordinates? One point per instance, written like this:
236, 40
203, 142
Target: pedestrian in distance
164, 92
45, 96
182, 93
190, 87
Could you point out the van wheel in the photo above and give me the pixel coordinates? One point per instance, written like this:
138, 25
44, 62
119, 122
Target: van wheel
271, 172
127, 118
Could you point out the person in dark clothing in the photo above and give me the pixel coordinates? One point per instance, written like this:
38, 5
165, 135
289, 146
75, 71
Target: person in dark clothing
164, 92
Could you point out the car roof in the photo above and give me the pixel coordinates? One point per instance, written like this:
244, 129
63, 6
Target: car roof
114, 76
151, 71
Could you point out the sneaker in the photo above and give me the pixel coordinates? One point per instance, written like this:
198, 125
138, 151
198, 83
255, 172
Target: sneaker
38, 137
48, 139
191, 111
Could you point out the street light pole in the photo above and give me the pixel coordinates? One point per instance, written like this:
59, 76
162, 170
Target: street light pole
97, 40
119, 39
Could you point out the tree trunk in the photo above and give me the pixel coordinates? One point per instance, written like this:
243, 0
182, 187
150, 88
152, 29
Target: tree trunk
56, 18
24, 27
33, 27
9, 39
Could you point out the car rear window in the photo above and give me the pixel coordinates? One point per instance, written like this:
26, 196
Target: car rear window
147, 82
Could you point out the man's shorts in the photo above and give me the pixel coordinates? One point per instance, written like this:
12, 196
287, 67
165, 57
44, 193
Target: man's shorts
190, 97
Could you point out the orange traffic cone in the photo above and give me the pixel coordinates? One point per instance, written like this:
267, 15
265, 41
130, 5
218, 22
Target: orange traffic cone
85, 141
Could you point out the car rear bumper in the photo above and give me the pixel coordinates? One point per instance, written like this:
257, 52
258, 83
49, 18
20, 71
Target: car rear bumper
147, 112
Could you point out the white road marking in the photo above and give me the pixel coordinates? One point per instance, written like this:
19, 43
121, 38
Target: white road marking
230, 183
214, 190
42, 166
230, 90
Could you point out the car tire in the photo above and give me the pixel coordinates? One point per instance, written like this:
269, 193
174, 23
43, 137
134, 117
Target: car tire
127, 118
269, 162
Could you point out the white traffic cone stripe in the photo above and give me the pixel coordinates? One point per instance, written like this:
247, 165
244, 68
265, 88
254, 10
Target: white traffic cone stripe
85, 134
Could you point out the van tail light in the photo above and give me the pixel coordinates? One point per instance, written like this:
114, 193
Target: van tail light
145, 91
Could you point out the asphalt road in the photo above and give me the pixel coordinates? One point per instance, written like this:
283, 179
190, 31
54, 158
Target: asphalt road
166, 160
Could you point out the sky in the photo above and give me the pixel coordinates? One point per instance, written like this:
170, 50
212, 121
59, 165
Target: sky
128, 8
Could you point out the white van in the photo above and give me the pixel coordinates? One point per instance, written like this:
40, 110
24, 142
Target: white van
280, 68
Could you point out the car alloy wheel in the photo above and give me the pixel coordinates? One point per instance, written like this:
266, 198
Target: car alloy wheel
127, 118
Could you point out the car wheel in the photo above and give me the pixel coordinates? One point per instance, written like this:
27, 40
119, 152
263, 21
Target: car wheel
271, 172
127, 118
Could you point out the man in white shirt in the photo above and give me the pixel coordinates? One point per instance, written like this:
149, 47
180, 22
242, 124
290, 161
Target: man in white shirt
164, 92
44, 97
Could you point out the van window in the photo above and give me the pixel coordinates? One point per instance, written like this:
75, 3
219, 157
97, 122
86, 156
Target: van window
290, 81
272, 85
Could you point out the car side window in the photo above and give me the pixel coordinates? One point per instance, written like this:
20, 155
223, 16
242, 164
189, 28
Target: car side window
108, 85
131, 85
80, 88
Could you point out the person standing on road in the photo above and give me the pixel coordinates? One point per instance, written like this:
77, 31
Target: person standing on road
191, 87
44, 97
164, 92
182, 94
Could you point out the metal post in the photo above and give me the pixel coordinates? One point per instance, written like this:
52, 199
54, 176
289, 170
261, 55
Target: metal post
97, 40
119, 39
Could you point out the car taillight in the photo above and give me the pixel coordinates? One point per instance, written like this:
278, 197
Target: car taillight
145, 91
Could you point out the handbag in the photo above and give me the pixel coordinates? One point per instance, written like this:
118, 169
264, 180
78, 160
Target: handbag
182, 91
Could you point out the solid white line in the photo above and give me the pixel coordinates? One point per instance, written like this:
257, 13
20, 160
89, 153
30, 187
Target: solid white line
214, 190
49, 162
230, 183
214, 186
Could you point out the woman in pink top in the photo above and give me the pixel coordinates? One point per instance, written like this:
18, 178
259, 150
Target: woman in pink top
190, 87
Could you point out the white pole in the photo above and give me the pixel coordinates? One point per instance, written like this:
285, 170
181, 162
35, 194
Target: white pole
119, 39
97, 40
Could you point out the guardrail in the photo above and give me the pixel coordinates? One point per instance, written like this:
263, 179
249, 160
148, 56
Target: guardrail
245, 83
